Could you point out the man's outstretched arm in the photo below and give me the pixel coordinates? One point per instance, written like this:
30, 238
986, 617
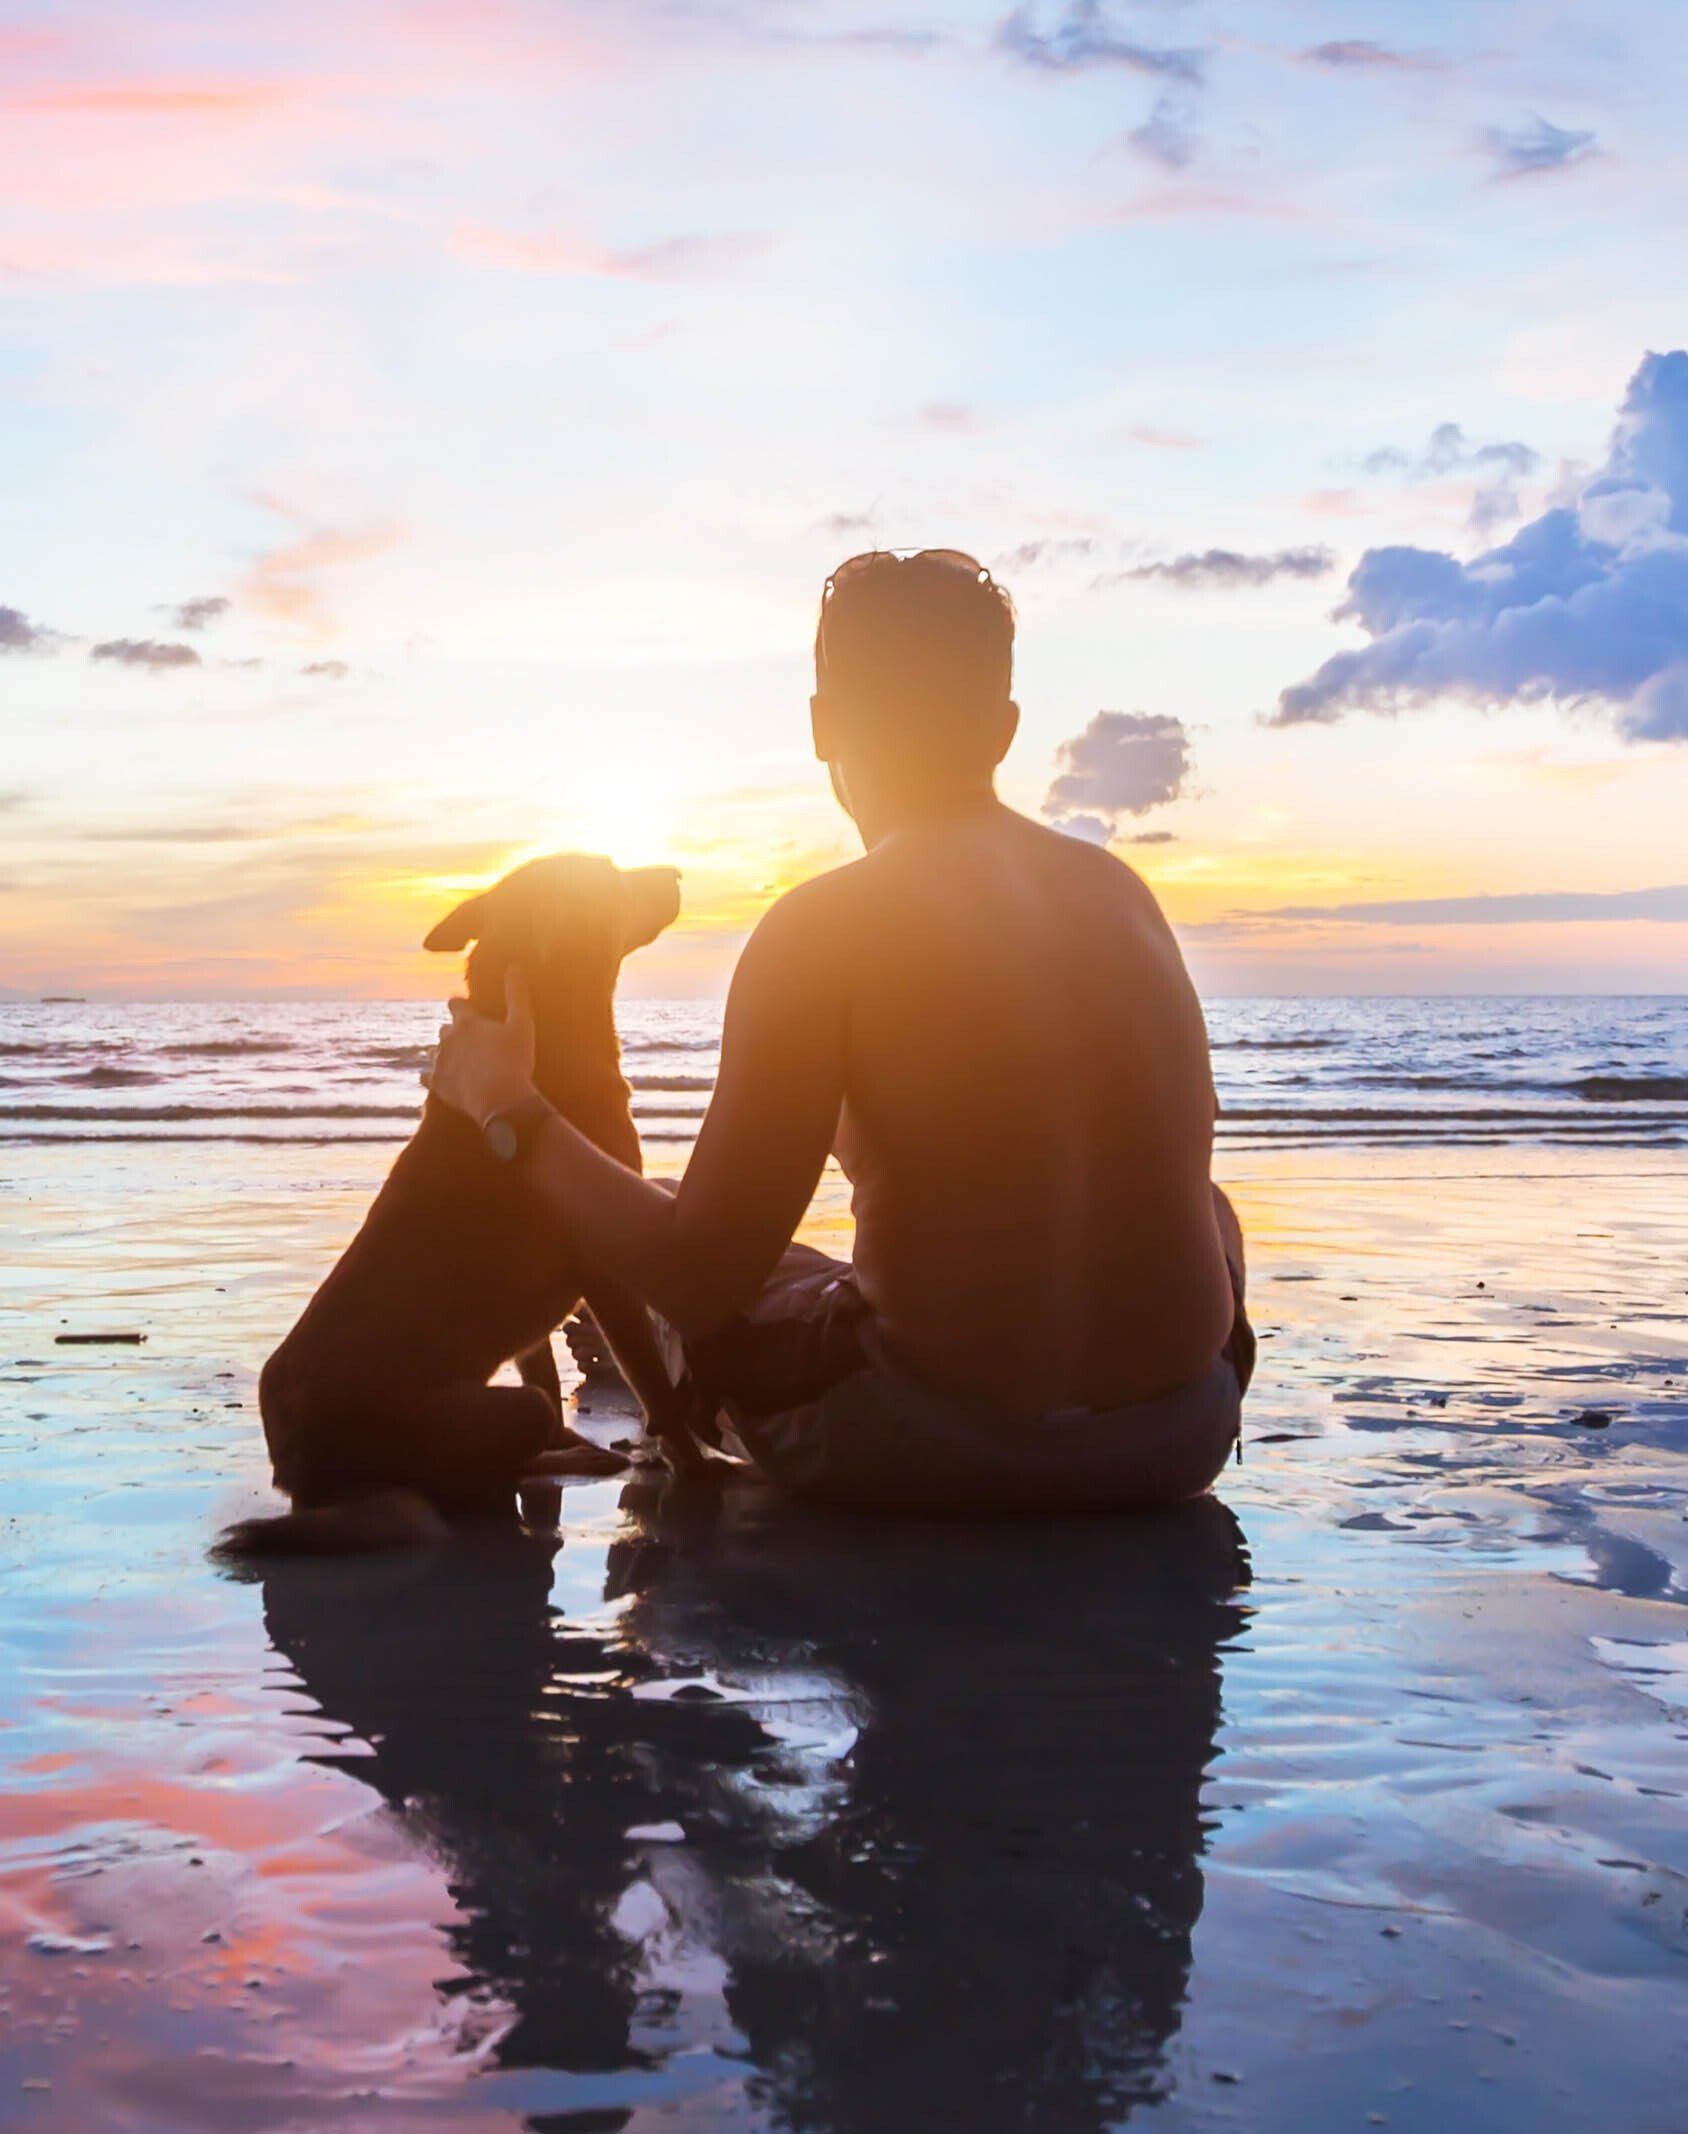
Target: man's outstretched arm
698, 1255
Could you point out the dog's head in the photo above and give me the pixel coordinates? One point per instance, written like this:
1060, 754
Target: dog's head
567, 921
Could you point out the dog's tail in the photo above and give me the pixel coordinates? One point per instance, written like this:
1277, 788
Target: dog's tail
385, 1519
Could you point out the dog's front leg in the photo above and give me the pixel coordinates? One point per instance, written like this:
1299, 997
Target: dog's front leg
537, 1367
666, 1396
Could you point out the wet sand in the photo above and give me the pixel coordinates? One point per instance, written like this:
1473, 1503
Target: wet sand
1351, 1796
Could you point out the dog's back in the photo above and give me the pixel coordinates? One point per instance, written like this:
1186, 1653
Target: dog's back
440, 1286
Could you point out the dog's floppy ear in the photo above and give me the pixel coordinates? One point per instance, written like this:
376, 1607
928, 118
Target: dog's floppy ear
650, 899
458, 928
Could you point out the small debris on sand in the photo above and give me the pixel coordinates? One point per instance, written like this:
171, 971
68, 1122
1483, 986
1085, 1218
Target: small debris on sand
82, 1341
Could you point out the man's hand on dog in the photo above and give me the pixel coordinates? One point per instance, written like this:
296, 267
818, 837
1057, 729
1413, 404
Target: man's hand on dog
484, 1066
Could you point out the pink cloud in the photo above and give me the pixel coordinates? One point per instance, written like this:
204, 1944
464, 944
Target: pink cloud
950, 415
1174, 202
207, 96
131, 260
283, 583
1166, 440
554, 253
1336, 504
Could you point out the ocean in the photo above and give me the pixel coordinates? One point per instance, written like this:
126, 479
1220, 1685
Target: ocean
1290, 1072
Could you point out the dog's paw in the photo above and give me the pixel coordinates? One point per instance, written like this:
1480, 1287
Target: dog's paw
580, 1458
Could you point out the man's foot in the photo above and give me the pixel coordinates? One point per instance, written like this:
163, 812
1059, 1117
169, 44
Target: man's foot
685, 1429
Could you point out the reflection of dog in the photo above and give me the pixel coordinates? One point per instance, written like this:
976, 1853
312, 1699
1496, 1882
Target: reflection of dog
376, 1407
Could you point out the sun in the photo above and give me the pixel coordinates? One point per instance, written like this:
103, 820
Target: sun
631, 820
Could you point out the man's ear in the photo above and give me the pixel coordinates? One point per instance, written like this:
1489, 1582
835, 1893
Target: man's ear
1007, 728
820, 727
650, 902
458, 928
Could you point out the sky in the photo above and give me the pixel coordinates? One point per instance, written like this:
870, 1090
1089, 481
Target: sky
427, 426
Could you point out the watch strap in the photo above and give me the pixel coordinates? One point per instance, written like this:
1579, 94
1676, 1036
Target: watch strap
511, 1132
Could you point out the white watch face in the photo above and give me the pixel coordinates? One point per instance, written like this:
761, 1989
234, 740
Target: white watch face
502, 1138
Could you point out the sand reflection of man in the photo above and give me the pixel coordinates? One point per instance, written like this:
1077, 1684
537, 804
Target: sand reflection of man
975, 1913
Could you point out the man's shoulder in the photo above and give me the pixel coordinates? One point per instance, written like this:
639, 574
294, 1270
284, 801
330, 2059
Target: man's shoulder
814, 900
802, 919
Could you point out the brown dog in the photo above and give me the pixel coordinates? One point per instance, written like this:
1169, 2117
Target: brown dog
376, 1407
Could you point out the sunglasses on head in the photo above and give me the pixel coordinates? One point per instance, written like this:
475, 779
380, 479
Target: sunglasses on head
877, 558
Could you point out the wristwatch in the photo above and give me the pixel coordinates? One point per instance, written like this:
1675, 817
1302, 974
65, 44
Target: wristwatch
510, 1133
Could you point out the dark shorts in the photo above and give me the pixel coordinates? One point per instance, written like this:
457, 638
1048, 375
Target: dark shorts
819, 1403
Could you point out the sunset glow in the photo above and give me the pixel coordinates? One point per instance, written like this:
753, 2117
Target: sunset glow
429, 427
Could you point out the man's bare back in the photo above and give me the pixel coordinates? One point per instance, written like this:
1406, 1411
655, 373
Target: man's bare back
1028, 1113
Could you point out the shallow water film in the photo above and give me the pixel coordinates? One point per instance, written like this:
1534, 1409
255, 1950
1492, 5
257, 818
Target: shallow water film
1350, 1796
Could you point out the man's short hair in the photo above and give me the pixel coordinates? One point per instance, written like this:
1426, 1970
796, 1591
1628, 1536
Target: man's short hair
916, 650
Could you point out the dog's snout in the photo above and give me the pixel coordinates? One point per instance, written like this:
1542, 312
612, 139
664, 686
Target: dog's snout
653, 903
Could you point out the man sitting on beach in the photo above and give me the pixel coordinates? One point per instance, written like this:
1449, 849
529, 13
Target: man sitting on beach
991, 1026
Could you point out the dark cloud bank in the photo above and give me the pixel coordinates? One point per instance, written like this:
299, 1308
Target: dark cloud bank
1363, 53
1124, 763
19, 634
1529, 907
199, 614
1226, 568
1588, 602
145, 652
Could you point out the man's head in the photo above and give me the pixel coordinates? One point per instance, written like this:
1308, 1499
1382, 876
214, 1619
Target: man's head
914, 666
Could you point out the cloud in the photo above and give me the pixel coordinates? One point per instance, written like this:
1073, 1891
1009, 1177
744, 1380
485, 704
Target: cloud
1054, 549
1587, 602
1504, 462
1153, 837
283, 583
198, 614
1124, 763
14, 797
19, 634
886, 37
1362, 52
1535, 148
1166, 440
145, 652
1531, 907
328, 670
666, 259
204, 98
176, 834
1167, 137
1173, 203
1449, 452
1338, 504
1081, 34
949, 415
1226, 568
